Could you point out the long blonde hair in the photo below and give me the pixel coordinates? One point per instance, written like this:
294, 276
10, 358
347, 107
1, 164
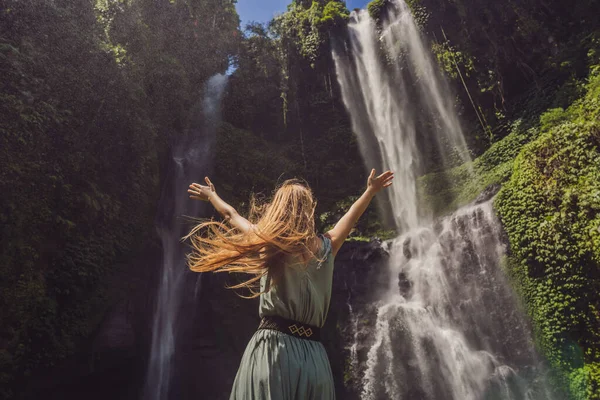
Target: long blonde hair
284, 226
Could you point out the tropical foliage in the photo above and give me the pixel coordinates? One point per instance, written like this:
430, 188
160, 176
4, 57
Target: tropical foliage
92, 94
550, 208
95, 93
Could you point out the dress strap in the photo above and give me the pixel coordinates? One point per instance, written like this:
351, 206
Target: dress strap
326, 251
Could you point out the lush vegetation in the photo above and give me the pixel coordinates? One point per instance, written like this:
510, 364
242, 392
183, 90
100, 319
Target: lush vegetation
512, 56
285, 91
549, 204
91, 95
550, 208
445, 191
94, 94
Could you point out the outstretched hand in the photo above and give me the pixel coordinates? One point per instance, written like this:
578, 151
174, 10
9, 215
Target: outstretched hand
376, 183
200, 192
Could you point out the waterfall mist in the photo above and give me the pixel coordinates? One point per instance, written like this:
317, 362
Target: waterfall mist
448, 325
192, 159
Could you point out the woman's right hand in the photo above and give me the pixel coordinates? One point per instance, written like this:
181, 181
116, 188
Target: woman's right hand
200, 192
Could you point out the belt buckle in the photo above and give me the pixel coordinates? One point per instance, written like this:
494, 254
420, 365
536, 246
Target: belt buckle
300, 330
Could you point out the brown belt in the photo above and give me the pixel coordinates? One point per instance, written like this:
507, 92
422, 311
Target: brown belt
290, 327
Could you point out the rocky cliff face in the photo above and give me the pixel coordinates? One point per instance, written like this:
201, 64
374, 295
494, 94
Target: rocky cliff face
360, 268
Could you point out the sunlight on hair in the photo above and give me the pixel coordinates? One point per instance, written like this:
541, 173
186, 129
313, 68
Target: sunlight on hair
283, 227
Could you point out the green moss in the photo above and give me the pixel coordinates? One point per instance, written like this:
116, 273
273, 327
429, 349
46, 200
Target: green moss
584, 382
348, 371
368, 226
261, 166
308, 24
376, 8
334, 14
85, 120
448, 57
447, 190
550, 209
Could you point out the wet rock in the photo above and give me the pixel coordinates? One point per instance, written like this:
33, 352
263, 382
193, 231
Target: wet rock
404, 285
487, 193
406, 249
360, 273
115, 341
116, 331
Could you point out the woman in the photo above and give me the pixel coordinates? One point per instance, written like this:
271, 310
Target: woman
294, 268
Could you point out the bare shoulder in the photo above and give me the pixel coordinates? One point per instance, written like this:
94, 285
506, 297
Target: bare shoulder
336, 242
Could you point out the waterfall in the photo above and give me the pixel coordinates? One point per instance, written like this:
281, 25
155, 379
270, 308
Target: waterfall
353, 321
191, 160
388, 77
448, 326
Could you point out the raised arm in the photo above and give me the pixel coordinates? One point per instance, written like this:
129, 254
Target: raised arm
342, 229
230, 215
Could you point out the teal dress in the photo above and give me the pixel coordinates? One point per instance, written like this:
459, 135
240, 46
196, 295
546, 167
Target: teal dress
277, 366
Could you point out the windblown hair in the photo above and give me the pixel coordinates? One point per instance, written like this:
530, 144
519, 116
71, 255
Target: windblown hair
285, 226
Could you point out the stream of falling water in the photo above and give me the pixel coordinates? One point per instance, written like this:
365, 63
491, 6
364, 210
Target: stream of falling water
384, 99
192, 160
448, 326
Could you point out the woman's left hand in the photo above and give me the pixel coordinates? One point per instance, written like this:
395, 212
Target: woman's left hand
376, 183
200, 192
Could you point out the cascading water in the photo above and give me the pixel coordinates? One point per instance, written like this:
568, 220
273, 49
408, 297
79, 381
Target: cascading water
448, 325
391, 95
192, 160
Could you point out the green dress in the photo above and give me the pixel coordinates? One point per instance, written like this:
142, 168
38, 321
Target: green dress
277, 366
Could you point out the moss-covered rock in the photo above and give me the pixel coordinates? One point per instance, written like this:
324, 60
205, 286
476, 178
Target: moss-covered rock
550, 209
447, 190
